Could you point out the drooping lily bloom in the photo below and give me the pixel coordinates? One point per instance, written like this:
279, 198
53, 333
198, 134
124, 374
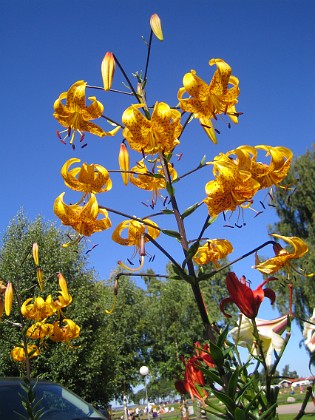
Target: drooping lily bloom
135, 237
143, 178
76, 116
204, 353
91, 178
193, 378
18, 353
247, 300
309, 333
65, 333
64, 298
269, 335
134, 231
283, 258
83, 219
231, 187
213, 251
40, 309
206, 101
277, 170
40, 331
150, 136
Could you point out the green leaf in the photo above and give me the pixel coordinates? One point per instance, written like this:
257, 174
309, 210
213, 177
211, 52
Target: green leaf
222, 336
232, 386
210, 374
190, 210
217, 354
225, 399
167, 211
172, 233
239, 414
170, 189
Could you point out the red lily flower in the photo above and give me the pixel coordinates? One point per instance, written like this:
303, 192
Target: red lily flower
204, 354
192, 378
247, 300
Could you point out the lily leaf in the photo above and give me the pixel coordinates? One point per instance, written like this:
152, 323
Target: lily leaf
190, 210
170, 189
172, 233
217, 354
227, 401
239, 414
232, 386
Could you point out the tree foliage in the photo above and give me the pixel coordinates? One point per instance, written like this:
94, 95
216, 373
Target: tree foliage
296, 211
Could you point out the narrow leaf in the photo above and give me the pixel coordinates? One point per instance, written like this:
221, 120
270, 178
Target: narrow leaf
190, 210
171, 233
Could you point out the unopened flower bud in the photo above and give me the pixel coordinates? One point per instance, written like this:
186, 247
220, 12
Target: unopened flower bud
123, 160
35, 253
8, 298
156, 27
108, 70
40, 278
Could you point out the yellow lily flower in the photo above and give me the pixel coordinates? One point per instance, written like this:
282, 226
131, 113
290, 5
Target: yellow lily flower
142, 178
158, 134
65, 333
206, 101
39, 310
83, 219
40, 331
91, 178
283, 258
136, 238
18, 353
277, 170
212, 251
230, 189
76, 116
64, 298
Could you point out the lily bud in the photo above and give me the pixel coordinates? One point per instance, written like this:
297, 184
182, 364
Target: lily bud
63, 284
108, 70
8, 298
156, 27
123, 160
35, 253
2, 292
40, 279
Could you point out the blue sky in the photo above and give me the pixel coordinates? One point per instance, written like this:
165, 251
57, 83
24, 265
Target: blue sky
48, 45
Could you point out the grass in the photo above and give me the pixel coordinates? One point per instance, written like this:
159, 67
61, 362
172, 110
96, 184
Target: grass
175, 415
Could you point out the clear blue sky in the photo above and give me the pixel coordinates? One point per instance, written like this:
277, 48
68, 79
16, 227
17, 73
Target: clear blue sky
48, 45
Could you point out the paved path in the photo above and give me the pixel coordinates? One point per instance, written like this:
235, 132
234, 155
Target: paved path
295, 408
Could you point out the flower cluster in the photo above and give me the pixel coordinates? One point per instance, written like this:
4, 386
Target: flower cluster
42, 318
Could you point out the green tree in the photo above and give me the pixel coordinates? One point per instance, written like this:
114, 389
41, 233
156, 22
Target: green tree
103, 348
287, 373
296, 211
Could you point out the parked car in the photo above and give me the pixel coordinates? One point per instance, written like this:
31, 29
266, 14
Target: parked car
56, 402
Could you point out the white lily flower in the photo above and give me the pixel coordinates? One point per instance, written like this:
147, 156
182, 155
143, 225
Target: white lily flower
269, 334
309, 333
